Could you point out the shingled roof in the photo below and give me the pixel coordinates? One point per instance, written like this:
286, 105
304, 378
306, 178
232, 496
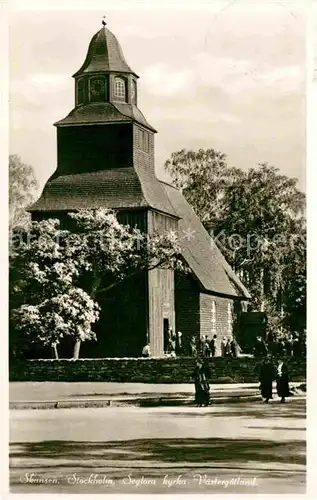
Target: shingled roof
117, 188
104, 54
201, 252
104, 112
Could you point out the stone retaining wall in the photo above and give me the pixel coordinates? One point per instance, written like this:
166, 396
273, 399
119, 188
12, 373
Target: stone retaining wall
146, 370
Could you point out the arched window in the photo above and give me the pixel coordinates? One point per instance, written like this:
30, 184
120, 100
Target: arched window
119, 89
80, 91
133, 92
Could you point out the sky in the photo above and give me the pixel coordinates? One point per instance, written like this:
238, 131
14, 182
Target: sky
228, 76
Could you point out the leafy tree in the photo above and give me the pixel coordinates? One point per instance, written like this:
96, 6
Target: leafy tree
70, 312
204, 177
294, 293
256, 217
58, 274
22, 185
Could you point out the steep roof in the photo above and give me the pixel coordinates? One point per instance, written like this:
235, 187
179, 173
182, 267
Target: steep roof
117, 188
104, 54
114, 188
104, 112
201, 252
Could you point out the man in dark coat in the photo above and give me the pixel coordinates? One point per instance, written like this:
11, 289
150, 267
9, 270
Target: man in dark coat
282, 381
296, 347
266, 376
207, 347
212, 345
233, 347
281, 350
260, 348
201, 375
228, 348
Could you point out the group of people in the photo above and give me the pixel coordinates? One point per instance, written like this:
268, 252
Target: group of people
270, 372
288, 346
207, 347
172, 348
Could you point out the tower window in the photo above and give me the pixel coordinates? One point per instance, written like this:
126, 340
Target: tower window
119, 89
133, 92
143, 140
80, 91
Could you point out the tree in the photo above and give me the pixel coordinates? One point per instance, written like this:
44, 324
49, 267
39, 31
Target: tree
22, 185
256, 217
294, 302
70, 312
204, 177
57, 273
41, 271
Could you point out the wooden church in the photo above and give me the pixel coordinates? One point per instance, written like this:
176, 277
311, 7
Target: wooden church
106, 159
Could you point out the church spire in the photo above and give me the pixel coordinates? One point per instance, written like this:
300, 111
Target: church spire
104, 54
105, 85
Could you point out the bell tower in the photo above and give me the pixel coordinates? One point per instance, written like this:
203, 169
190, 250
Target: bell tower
105, 75
105, 158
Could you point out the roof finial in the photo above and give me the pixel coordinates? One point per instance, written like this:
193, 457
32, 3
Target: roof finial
104, 21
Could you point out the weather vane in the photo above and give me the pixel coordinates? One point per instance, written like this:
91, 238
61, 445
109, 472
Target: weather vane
104, 21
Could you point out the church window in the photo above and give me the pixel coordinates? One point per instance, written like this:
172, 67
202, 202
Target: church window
213, 316
143, 141
229, 318
97, 89
133, 92
80, 91
119, 89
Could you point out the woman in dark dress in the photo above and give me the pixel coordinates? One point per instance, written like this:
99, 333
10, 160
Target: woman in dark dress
266, 377
201, 374
282, 381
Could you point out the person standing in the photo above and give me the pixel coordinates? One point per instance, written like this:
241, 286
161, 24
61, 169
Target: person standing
280, 348
207, 347
266, 377
178, 347
212, 345
146, 351
193, 347
289, 346
296, 347
282, 381
202, 346
201, 375
233, 347
173, 345
228, 348
223, 346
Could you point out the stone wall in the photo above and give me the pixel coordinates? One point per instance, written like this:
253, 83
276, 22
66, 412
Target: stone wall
147, 370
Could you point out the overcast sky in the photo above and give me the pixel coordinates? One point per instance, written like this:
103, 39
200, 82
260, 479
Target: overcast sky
230, 78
